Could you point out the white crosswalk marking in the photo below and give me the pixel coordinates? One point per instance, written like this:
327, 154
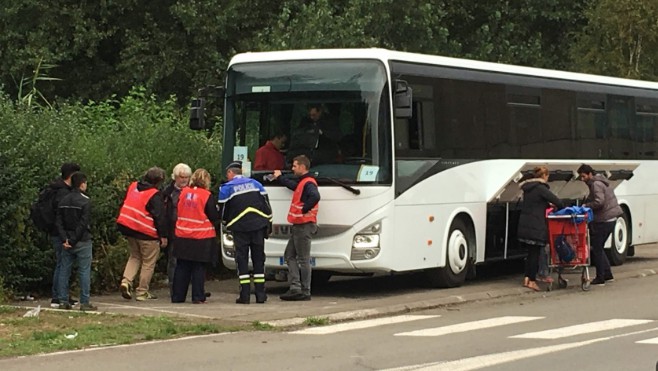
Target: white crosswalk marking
585, 328
468, 326
648, 341
324, 330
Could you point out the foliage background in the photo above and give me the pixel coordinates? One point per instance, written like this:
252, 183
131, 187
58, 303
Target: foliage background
68, 72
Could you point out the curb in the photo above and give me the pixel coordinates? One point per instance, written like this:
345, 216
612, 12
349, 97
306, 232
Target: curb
437, 303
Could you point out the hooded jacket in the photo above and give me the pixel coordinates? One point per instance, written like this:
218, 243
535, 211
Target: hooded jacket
602, 199
537, 197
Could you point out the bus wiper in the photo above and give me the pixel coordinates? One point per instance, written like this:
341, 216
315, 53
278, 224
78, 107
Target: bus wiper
335, 181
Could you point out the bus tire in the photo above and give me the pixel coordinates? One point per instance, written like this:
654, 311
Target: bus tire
621, 240
460, 242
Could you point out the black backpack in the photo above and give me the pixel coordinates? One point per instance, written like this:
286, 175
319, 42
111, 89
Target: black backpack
42, 211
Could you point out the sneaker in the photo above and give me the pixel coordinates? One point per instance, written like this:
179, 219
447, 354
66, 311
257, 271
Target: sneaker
598, 282
73, 302
88, 307
65, 306
609, 278
126, 291
54, 303
145, 296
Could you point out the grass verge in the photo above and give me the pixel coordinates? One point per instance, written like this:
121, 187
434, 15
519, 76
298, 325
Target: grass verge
56, 331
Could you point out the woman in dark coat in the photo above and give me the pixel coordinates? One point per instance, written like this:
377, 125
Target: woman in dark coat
196, 242
532, 230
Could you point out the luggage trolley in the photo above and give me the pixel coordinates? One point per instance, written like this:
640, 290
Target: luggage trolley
572, 229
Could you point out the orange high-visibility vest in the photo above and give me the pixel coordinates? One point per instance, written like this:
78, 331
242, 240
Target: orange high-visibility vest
133, 212
192, 221
295, 215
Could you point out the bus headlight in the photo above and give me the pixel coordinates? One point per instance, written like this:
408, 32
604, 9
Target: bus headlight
365, 244
227, 244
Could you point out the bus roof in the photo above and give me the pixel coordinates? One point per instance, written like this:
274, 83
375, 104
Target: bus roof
385, 55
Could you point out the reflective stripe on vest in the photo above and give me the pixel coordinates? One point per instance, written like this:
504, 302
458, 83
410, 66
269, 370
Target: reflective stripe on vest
192, 221
295, 215
133, 212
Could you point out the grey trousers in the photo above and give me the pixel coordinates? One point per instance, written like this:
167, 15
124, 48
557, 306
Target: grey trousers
298, 257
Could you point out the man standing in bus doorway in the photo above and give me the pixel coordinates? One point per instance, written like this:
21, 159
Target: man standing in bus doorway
603, 202
303, 217
246, 210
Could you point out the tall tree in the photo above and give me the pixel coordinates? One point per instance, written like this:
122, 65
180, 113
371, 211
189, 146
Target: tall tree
621, 39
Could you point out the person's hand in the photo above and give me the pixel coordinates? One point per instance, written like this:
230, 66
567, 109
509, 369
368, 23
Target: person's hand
66, 245
276, 173
163, 242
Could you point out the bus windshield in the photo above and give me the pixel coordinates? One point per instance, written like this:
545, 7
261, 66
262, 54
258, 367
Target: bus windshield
334, 112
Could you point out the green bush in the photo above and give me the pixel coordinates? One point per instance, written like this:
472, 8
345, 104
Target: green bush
115, 142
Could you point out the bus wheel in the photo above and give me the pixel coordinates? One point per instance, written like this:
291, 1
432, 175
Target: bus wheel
621, 240
453, 274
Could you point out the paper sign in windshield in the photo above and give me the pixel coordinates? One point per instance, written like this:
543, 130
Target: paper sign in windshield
367, 173
239, 153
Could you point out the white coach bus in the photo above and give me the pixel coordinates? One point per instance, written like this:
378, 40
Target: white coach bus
422, 168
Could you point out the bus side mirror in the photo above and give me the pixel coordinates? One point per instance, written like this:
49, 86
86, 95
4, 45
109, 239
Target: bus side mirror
403, 99
197, 120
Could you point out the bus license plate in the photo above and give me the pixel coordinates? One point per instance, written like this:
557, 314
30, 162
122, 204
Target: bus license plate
283, 262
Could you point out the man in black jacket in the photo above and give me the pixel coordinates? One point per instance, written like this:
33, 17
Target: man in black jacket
73, 222
180, 178
61, 188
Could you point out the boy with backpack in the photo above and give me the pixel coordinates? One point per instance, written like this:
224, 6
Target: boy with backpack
43, 213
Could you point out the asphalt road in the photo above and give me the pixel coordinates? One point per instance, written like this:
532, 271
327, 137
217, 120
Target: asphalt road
609, 328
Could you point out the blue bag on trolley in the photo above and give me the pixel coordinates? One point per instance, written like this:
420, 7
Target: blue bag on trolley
577, 211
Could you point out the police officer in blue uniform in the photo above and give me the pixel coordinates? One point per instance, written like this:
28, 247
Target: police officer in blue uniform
246, 210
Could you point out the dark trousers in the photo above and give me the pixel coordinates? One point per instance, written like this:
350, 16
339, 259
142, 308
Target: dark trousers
532, 261
598, 234
171, 266
254, 242
189, 271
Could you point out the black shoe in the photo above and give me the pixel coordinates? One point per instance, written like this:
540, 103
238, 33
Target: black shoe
88, 307
261, 299
241, 301
73, 302
609, 277
208, 294
54, 303
66, 306
290, 294
598, 282
297, 297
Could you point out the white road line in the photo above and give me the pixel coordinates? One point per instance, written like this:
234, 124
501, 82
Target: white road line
585, 328
648, 341
468, 326
490, 360
324, 330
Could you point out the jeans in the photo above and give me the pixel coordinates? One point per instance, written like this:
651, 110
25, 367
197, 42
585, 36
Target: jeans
81, 253
598, 234
298, 257
57, 246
